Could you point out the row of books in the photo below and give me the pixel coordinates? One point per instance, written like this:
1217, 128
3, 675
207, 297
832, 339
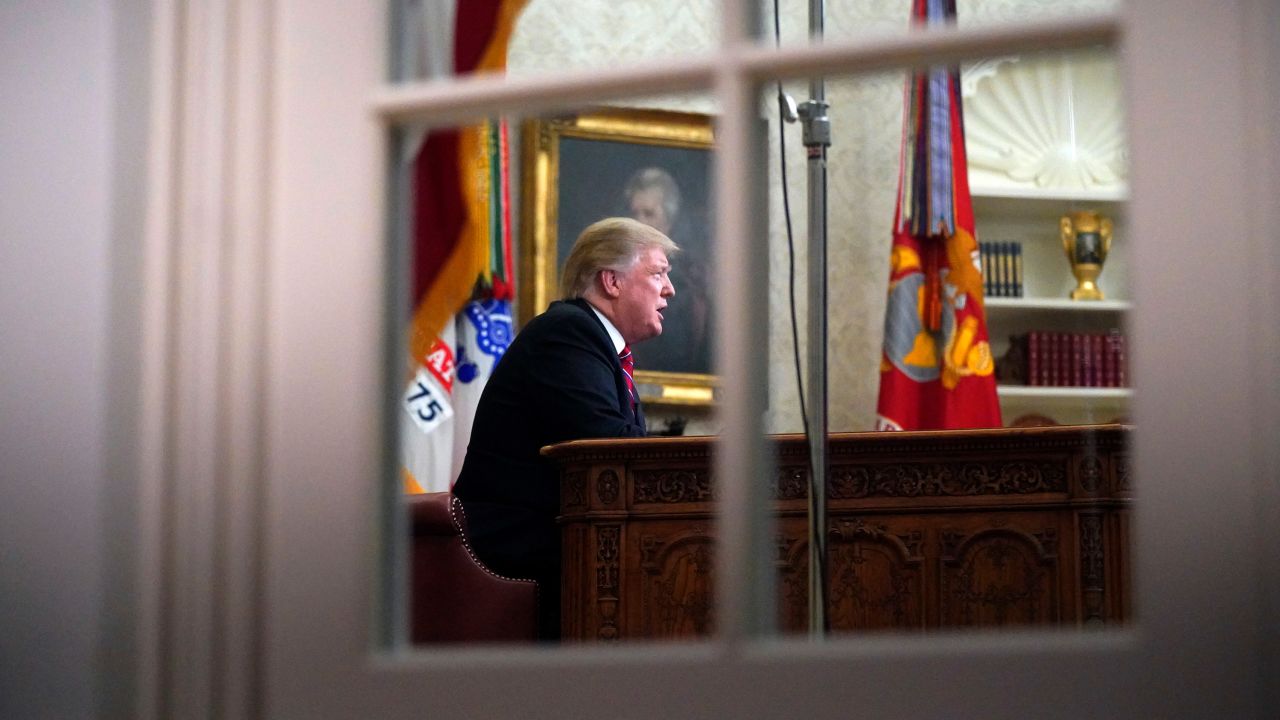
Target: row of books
1001, 268
1066, 359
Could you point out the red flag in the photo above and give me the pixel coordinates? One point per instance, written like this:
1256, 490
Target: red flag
453, 222
936, 371
461, 235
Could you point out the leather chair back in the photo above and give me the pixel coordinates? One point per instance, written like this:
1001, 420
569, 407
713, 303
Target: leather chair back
455, 597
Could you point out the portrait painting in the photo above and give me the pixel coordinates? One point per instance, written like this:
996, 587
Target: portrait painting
655, 167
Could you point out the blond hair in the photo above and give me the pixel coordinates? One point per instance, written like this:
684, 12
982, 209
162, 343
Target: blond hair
610, 244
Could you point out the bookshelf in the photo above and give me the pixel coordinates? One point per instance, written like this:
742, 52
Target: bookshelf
1030, 217
1014, 306
1064, 393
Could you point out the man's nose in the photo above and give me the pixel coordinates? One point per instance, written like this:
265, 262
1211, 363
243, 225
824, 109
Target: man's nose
668, 289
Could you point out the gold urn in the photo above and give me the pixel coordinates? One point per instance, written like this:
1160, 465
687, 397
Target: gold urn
1086, 238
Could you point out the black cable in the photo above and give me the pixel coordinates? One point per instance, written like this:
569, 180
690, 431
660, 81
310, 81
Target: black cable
795, 332
791, 248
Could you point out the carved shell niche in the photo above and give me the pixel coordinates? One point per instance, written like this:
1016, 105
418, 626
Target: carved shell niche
1045, 122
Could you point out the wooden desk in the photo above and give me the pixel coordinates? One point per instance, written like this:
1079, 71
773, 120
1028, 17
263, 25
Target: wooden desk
1013, 526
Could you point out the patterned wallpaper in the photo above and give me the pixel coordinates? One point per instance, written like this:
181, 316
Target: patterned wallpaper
866, 115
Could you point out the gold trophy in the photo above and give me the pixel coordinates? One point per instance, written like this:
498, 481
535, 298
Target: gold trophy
1086, 237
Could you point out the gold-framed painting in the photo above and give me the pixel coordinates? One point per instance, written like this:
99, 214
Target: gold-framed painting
654, 166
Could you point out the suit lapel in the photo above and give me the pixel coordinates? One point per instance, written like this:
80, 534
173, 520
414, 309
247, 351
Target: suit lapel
624, 397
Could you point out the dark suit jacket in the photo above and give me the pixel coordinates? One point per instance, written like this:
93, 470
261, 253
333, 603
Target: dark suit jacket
559, 380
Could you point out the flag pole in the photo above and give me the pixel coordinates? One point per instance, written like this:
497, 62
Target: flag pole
817, 138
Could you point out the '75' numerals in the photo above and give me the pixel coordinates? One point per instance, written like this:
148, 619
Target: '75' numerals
431, 403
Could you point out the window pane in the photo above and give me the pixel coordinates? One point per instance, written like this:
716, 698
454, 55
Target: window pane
924, 531
844, 19
504, 353
979, 526
1045, 147
442, 38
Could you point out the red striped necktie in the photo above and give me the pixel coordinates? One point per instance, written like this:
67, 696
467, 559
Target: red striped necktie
628, 369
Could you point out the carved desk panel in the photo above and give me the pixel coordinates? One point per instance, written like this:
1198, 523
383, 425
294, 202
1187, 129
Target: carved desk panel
1013, 526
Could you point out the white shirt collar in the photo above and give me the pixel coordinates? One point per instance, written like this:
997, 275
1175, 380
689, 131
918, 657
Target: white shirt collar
618, 342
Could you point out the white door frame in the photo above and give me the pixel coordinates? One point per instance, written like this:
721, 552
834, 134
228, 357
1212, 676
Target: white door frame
261, 401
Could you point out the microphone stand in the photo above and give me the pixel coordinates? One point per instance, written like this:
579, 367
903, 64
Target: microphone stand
816, 127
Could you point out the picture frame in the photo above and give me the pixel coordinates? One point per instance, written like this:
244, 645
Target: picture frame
605, 162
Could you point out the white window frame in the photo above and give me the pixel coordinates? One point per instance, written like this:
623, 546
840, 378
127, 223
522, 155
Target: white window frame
261, 407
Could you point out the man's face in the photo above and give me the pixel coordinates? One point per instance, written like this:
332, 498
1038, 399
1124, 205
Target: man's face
642, 296
646, 206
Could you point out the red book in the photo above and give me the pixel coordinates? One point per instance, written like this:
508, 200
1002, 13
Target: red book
1035, 358
1122, 362
1095, 361
1068, 359
1111, 355
1062, 359
1075, 342
1050, 343
1065, 359
1108, 362
1087, 360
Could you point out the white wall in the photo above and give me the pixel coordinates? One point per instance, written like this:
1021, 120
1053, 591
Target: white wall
55, 147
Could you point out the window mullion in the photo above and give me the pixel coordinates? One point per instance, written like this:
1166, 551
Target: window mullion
461, 100
744, 580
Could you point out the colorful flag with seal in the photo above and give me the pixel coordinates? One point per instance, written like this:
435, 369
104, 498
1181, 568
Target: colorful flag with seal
461, 240
936, 370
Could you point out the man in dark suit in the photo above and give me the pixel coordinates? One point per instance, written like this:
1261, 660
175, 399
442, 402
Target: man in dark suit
564, 377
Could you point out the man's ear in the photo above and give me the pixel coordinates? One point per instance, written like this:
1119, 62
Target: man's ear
609, 283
